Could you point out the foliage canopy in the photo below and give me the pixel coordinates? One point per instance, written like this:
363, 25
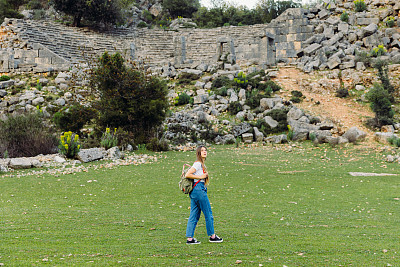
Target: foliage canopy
129, 98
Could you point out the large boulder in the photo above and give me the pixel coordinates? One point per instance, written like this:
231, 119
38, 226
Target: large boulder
240, 129
91, 154
384, 137
20, 163
277, 139
354, 134
258, 135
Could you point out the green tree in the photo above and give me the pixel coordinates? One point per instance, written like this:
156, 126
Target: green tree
99, 11
381, 105
184, 8
271, 9
129, 98
9, 9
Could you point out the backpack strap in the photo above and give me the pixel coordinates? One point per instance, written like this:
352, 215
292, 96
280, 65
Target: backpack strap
196, 183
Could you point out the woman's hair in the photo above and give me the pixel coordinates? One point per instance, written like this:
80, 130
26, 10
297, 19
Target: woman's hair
200, 159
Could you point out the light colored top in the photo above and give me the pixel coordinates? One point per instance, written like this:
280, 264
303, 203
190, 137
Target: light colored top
199, 171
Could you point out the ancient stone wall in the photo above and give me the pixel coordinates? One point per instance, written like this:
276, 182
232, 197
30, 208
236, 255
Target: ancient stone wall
263, 44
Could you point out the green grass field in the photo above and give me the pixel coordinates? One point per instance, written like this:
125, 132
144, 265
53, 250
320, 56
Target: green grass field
273, 206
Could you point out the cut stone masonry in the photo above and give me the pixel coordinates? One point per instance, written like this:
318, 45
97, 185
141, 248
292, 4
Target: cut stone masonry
262, 44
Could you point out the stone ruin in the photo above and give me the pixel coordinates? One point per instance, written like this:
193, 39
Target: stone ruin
310, 39
43, 45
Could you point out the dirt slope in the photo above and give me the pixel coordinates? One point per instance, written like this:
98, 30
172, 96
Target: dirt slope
344, 112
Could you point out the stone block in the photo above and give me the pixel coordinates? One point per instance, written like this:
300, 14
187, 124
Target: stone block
247, 137
20, 163
311, 49
333, 62
367, 21
91, 154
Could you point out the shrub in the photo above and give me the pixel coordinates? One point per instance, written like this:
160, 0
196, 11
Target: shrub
182, 99
253, 98
275, 87
69, 145
296, 93
344, 16
223, 91
34, 4
389, 21
4, 78
129, 98
378, 51
235, 107
220, 82
142, 24
290, 133
296, 99
382, 67
73, 118
157, 145
241, 81
109, 139
394, 141
360, 5
26, 136
177, 8
342, 92
364, 57
381, 105
280, 115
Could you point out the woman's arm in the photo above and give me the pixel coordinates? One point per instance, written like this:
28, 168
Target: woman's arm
190, 174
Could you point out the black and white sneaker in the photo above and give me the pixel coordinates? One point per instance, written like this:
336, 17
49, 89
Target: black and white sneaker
192, 242
216, 239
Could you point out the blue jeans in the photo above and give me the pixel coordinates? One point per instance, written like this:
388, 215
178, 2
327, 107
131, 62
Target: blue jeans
199, 203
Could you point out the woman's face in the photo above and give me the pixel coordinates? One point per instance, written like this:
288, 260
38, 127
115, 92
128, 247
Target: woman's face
203, 152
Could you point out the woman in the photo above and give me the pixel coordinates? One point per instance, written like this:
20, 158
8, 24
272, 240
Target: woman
199, 200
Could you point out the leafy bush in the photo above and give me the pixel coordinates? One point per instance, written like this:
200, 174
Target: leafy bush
26, 136
142, 24
223, 91
344, 16
271, 84
220, 82
34, 4
389, 21
253, 98
157, 145
184, 8
235, 107
297, 93
382, 67
381, 105
378, 51
129, 98
296, 99
73, 118
182, 99
280, 115
109, 139
394, 141
342, 92
364, 57
4, 78
360, 5
69, 145
241, 81
97, 11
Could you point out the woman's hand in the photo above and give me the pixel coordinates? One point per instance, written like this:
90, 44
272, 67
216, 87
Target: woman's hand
205, 175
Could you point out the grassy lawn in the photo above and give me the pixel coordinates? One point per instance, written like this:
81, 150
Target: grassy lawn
273, 205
